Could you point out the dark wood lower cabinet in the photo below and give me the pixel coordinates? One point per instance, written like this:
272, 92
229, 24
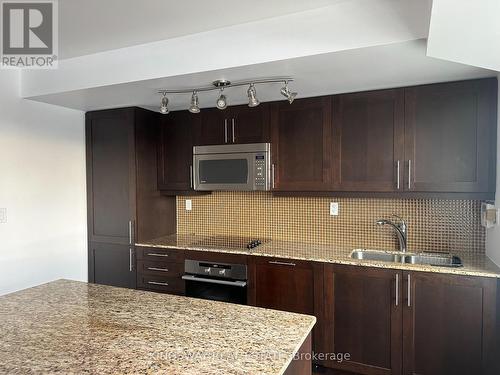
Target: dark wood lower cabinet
362, 318
449, 324
395, 322
112, 264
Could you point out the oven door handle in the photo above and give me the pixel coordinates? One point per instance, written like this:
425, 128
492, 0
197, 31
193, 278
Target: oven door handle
239, 283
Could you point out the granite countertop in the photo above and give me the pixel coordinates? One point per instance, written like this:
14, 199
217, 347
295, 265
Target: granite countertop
73, 327
473, 264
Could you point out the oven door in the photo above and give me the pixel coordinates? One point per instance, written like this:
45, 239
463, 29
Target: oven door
228, 172
234, 291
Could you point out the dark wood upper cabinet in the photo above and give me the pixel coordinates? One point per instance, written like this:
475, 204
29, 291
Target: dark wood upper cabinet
450, 137
302, 145
363, 317
175, 160
110, 175
449, 324
238, 124
250, 125
368, 140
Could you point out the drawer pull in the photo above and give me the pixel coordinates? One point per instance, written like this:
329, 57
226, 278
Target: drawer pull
158, 269
282, 263
157, 283
157, 255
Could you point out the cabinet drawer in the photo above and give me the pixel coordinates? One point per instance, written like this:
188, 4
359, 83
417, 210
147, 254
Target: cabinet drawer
166, 269
162, 255
173, 285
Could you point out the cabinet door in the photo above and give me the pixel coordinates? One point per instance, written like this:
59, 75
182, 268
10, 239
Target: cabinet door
449, 324
450, 136
176, 151
369, 135
286, 285
213, 128
110, 175
302, 145
363, 317
112, 264
251, 125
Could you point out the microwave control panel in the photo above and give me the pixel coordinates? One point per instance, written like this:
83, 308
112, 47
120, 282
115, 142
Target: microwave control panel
260, 172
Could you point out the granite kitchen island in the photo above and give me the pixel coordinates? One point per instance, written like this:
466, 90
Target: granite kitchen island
73, 327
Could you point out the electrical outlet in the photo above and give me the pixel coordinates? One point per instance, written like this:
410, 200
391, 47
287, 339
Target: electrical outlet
334, 209
189, 204
3, 215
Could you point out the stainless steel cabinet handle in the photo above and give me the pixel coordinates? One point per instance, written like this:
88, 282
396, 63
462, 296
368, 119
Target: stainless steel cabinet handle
398, 174
191, 176
409, 290
282, 263
130, 259
225, 130
238, 283
233, 130
130, 232
158, 269
409, 174
157, 255
157, 283
397, 289
272, 175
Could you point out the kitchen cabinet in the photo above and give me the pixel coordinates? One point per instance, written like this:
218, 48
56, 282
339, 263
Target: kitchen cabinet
302, 145
399, 322
160, 270
450, 137
112, 264
175, 158
368, 141
449, 324
123, 201
363, 317
237, 124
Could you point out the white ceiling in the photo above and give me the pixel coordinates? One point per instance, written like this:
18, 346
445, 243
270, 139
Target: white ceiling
90, 26
394, 65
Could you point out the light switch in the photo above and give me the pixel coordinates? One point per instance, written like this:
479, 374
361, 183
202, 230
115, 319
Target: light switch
3, 215
334, 209
189, 204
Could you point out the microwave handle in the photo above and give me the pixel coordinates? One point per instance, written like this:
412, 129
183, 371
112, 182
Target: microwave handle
191, 176
225, 130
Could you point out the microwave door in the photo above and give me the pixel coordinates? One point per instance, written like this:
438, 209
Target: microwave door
227, 172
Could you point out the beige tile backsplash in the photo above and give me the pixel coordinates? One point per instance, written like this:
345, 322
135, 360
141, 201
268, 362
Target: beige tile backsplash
433, 224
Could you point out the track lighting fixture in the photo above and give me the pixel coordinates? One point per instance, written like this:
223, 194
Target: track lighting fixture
285, 91
252, 96
222, 84
222, 100
194, 107
164, 105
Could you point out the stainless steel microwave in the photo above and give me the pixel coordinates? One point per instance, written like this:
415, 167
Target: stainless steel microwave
244, 167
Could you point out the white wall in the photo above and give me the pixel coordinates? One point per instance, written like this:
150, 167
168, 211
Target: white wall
42, 185
493, 234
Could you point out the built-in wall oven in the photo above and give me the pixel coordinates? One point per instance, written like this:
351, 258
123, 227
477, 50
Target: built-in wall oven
244, 167
224, 282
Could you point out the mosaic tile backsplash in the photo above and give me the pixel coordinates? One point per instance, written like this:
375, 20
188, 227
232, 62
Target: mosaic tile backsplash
433, 224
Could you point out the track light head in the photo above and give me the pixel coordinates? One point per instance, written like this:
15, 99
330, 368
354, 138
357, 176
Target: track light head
164, 105
194, 107
285, 91
222, 101
252, 96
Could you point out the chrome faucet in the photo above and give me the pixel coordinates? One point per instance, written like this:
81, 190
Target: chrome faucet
401, 231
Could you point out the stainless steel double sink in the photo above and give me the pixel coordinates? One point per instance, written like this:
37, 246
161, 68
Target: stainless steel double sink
423, 258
